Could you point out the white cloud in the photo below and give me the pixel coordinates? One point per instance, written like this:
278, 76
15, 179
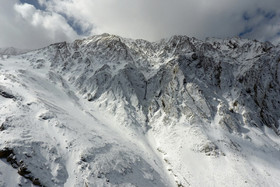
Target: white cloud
147, 19
23, 26
155, 19
25, 10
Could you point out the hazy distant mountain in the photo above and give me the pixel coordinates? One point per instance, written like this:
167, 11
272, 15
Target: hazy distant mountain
110, 111
12, 51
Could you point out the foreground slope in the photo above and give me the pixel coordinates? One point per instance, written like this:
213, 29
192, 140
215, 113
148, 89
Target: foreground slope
110, 111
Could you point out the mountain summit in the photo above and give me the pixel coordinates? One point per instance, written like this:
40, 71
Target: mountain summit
111, 111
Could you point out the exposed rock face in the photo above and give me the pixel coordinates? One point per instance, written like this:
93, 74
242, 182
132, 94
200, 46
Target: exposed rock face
242, 75
179, 97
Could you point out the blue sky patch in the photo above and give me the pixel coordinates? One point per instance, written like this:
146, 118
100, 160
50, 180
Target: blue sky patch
246, 16
245, 31
75, 25
35, 3
267, 14
270, 15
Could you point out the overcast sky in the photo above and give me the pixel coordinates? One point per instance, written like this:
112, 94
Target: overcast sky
37, 23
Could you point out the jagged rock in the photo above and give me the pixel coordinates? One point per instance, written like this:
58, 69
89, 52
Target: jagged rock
23, 171
47, 115
6, 95
2, 127
36, 181
6, 152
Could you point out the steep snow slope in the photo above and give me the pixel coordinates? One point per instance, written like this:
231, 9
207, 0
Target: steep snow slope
110, 111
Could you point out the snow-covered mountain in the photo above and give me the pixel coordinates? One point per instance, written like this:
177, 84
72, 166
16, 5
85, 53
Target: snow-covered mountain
110, 111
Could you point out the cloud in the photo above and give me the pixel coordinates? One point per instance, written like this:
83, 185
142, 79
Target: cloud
54, 24
53, 20
262, 24
155, 19
24, 26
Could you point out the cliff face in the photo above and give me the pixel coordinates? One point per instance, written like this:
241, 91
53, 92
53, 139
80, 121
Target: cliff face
113, 111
